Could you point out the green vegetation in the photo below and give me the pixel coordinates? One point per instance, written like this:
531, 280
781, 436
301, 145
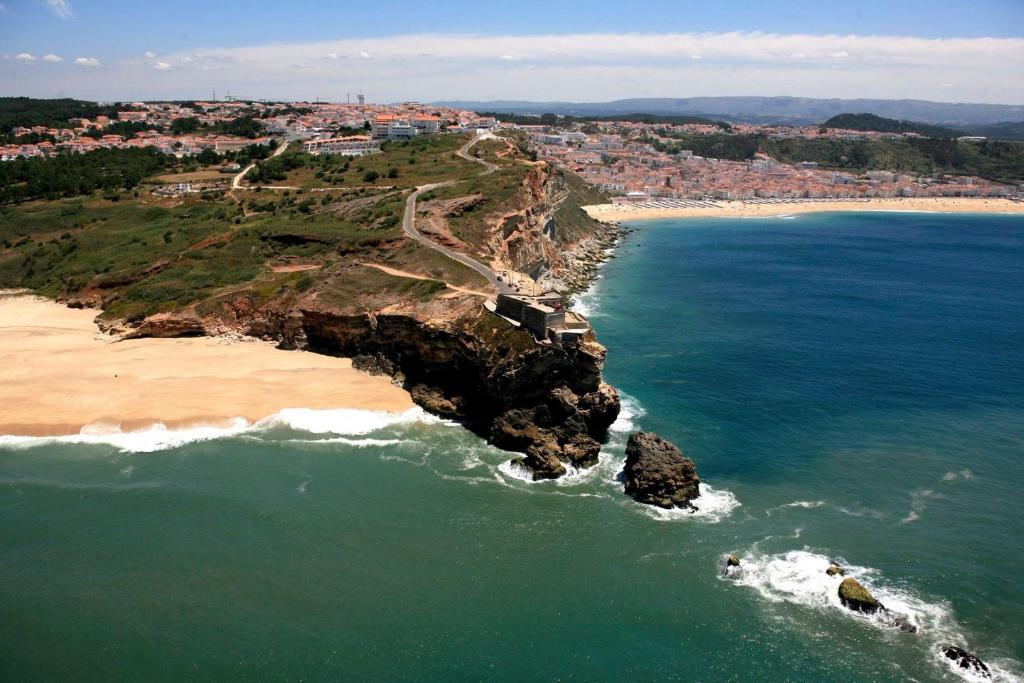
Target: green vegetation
995, 160
571, 221
870, 122
422, 160
28, 112
68, 175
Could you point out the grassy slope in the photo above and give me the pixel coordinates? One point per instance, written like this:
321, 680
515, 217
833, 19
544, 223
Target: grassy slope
147, 254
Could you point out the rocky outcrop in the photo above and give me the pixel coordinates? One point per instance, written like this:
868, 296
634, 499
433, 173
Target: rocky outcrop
835, 570
657, 473
546, 401
965, 660
856, 597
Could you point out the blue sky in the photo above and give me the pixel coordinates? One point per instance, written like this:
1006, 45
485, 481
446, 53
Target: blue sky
542, 50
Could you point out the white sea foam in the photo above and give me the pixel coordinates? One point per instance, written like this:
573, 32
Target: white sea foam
804, 504
712, 506
630, 411
357, 443
159, 437
155, 438
345, 421
966, 475
798, 577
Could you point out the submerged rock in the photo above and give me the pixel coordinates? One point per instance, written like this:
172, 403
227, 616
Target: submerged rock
966, 660
857, 597
835, 570
657, 473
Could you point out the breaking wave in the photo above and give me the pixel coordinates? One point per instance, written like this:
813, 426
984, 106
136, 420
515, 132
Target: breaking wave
798, 577
341, 422
712, 506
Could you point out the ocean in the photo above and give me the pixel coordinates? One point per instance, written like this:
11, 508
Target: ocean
851, 387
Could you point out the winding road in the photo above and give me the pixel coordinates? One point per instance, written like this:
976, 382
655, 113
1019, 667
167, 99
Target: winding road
236, 182
409, 219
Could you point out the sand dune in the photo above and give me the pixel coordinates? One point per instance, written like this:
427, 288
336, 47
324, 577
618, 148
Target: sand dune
59, 374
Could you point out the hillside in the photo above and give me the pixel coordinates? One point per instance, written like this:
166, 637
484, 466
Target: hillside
879, 124
1000, 161
320, 260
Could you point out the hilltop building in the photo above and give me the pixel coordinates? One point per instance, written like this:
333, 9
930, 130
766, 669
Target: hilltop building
350, 146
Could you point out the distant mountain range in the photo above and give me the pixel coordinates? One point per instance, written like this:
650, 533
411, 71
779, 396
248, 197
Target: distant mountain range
791, 110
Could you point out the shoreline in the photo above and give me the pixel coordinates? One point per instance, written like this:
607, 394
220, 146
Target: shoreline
746, 209
62, 377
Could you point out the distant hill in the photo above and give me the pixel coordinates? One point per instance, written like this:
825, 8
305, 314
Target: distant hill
551, 119
870, 122
1006, 130
792, 110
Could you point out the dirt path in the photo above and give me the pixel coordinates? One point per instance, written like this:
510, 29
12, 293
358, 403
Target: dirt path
404, 273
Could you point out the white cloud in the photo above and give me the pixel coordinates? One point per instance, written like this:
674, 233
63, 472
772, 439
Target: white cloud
696, 57
62, 8
53, 58
511, 58
149, 54
585, 67
24, 57
87, 61
162, 66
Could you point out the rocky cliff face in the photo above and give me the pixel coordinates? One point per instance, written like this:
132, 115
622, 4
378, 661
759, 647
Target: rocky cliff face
457, 360
547, 402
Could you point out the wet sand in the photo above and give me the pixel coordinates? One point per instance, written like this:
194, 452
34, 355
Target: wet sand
739, 209
59, 374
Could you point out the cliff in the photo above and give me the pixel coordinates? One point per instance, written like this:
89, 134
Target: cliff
336, 273
456, 359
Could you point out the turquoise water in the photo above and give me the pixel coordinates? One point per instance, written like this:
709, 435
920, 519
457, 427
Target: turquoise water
850, 385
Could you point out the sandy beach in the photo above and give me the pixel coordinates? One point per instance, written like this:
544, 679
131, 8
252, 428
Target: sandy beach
60, 374
737, 209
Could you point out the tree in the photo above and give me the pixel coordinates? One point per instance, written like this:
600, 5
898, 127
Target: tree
208, 157
371, 176
182, 126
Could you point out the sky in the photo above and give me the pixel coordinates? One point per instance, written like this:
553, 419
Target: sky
591, 51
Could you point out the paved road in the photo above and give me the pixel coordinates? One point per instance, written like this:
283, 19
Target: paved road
409, 220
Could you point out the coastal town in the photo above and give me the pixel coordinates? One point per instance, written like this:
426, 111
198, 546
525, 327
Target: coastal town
187, 129
623, 158
633, 162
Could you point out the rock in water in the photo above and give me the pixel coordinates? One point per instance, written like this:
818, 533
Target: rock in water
966, 660
857, 597
835, 569
657, 473
732, 561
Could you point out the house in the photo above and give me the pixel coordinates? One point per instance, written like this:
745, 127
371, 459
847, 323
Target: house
426, 124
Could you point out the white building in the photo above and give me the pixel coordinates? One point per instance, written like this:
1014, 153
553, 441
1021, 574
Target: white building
427, 124
351, 146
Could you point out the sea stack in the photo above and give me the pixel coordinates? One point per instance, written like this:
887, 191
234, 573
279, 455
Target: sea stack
657, 473
857, 597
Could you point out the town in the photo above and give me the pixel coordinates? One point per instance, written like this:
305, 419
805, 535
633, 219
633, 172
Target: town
186, 129
642, 162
